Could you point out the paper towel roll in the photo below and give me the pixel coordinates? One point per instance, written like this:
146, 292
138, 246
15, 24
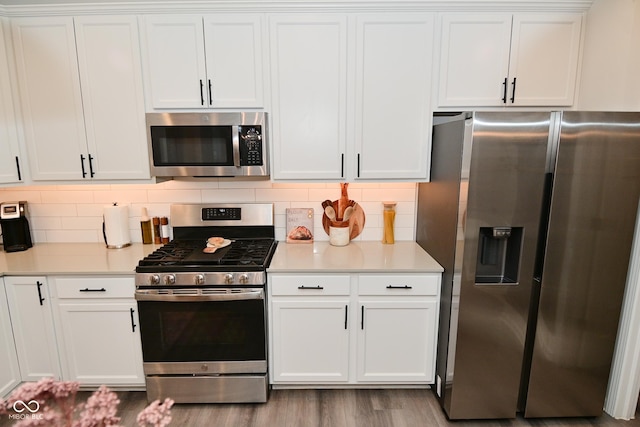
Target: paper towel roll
116, 226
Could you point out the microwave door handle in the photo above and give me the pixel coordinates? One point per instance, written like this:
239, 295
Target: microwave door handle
235, 132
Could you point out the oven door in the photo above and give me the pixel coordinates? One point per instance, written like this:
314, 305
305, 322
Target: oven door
202, 331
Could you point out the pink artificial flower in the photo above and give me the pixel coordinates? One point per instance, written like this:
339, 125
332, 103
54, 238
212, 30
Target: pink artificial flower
156, 414
100, 410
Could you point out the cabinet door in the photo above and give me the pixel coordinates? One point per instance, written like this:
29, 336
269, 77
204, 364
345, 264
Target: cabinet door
234, 60
474, 59
50, 96
544, 59
393, 96
112, 95
309, 81
176, 61
32, 320
396, 341
9, 152
100, 342
10, 372
310, 341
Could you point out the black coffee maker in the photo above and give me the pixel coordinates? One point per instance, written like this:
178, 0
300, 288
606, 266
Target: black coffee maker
15, 226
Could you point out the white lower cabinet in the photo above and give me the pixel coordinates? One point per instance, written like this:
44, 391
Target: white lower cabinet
10, 372
349, 329
97, 330
310, 341
32, 324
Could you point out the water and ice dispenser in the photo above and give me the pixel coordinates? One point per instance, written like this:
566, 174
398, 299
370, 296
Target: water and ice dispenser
498, 255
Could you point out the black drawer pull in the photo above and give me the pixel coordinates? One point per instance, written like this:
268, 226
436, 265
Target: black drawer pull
399, 287
93, 290
311, 287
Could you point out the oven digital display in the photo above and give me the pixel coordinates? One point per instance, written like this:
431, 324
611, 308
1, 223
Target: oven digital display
221, 214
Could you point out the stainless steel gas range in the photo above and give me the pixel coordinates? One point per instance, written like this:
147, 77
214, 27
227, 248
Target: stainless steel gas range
201, 302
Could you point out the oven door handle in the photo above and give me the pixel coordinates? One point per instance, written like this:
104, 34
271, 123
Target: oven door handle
237, 296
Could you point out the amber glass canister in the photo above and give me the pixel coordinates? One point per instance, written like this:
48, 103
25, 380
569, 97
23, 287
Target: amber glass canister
389, 216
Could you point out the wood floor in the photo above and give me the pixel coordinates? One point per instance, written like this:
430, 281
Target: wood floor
334, 408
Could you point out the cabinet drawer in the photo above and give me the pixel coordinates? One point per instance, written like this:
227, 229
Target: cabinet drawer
400, 284
310, 285
95, 287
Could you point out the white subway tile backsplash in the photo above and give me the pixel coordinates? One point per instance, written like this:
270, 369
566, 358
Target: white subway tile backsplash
53, 209
281, 194
244, 195
71, 236
174, 196
63, 196
122, 197
73, 213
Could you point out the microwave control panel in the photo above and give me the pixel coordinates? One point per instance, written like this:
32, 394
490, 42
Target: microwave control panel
251, 148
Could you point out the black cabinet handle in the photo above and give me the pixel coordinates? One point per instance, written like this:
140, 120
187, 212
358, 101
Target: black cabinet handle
91, 166
342, 166
93, 290
84, 173
201, 92
346, 315
18, 169
513, 91
362, 318
504, 91
210, 92
133, 325
399, 287
310, 287
358, 172
39, 285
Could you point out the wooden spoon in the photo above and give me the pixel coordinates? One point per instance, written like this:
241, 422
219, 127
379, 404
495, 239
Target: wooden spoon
330, 213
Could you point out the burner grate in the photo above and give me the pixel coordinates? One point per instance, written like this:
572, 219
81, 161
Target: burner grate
241, 252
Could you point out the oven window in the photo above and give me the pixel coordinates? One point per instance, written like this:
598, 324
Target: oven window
192, 145
202, 331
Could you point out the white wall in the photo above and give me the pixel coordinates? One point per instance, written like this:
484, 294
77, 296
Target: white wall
611, 57
73, 213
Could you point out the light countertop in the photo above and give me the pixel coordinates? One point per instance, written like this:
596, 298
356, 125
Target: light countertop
95, 258
73, 258
356, 257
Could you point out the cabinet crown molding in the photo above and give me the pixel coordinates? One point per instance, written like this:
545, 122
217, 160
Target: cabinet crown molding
18, 8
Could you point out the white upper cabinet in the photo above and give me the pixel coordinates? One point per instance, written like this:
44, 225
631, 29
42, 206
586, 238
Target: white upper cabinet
351, 96
508, 59
82, 97
393, 96
50, 96
204, 62
9, 148
309, 86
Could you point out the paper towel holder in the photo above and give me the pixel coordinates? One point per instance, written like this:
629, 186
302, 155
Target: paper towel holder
119, 228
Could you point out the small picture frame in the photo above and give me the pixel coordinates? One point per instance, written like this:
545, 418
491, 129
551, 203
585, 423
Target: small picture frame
299, 225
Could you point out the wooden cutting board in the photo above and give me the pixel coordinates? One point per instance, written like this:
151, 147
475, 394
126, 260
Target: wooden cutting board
356, 221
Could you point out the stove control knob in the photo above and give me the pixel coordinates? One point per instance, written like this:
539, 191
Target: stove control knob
228, 278
154, 279
170, 279
199, 279
244, 279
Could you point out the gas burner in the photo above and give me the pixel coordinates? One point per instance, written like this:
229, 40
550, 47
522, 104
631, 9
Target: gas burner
188, 254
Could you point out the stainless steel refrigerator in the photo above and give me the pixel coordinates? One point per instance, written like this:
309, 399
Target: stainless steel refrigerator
532, 217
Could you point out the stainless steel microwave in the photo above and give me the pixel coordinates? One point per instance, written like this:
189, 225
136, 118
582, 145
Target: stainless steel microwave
208, 144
